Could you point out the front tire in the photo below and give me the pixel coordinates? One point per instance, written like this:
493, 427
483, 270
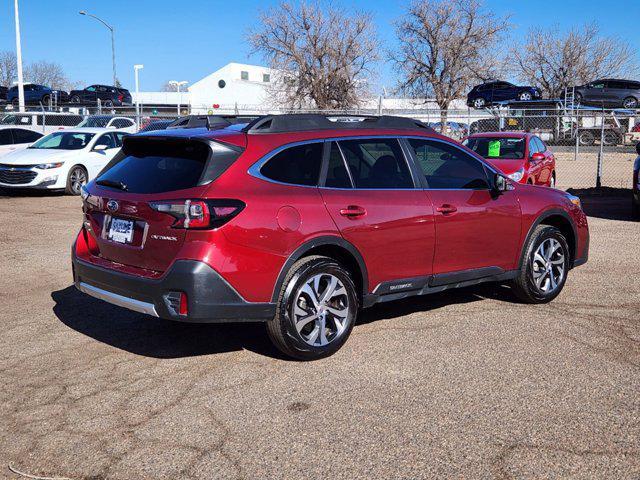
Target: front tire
76, 179
630, 102
316, 309
543, 267
479, 103
525, 96
74, 99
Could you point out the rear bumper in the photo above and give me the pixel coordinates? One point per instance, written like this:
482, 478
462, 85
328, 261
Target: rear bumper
210, 298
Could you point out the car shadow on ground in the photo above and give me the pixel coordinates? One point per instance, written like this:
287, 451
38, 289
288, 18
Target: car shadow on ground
152, 337
30, 192
607, 203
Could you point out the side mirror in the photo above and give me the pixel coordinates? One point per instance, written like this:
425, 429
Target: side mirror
537, 157
501, 184
99, 148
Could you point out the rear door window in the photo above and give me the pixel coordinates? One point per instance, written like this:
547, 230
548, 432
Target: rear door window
299, 165
376, 163
448, 167
337, 174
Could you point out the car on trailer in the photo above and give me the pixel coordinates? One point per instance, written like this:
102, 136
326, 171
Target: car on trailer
299, 221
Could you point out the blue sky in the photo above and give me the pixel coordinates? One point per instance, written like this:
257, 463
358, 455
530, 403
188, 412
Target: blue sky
186, 40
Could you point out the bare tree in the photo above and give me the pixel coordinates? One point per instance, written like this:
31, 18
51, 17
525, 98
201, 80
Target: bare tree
553, 60
321, 55
445, 46
8, 68
46, 73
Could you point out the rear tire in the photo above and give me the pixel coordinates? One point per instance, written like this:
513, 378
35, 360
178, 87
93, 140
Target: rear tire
107, 104
630, 102
586, 138
76, 178
525, 96
75, 99
543, 267
306, 326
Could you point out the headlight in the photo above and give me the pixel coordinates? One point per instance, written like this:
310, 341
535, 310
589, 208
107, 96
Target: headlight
517, 176
575, 200
47, 166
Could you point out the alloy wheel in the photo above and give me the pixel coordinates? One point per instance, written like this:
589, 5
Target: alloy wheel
478, 102
548, 266
321, 310
525, 96
630, 103
78, 178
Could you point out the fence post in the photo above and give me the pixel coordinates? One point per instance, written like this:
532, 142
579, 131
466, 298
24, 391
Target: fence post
600, 152
577, 136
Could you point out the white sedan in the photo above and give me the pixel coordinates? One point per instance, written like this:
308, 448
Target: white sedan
63, 160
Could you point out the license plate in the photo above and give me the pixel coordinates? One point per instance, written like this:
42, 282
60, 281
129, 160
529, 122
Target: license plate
121, 231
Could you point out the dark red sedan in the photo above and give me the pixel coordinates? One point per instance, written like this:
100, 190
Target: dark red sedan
522, 156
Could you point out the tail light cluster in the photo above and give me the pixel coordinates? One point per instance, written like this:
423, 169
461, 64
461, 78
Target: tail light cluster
120, 97
199, 214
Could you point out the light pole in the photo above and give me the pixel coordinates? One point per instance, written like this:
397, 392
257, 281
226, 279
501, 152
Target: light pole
19, 60
177, 84
113, 42
136, 69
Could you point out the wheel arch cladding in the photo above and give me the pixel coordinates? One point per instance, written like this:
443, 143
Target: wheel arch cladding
334, 247
563, 222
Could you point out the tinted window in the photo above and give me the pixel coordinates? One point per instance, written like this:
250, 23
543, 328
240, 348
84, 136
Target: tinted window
119, 137
298, 165
494, 147
121, 123
5, 137
376, 163
154, 167
337, 175
25, 136
106, 140
447, 166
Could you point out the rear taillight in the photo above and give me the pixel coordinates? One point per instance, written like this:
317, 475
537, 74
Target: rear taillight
199, 214
120, 97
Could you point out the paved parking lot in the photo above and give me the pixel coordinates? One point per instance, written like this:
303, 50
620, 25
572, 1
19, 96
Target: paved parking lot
459, 385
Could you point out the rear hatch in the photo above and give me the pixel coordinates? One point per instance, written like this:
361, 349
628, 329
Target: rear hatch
135, 204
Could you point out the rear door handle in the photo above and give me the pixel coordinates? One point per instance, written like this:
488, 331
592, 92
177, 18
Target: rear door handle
353, 211
446, 209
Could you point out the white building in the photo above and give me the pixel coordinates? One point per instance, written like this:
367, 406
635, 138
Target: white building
234, 85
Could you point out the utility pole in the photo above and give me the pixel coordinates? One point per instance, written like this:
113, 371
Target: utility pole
19, 60
136, 69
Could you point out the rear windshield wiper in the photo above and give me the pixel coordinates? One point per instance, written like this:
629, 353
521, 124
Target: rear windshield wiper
112, 183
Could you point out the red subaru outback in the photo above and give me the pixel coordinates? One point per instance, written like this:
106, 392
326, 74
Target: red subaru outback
301, 220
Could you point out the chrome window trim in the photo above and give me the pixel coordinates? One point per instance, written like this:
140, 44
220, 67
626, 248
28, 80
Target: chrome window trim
254, 169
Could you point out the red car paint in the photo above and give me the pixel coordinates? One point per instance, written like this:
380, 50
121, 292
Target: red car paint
398, 233
539, 168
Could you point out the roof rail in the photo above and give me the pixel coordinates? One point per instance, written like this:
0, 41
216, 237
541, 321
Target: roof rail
210, 121
302, 122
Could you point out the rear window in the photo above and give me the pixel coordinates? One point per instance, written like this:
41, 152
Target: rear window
496, 147
161, 165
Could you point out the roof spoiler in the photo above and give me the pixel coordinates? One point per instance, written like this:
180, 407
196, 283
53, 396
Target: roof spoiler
211, 122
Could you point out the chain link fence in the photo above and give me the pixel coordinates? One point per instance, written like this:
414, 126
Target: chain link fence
593, 148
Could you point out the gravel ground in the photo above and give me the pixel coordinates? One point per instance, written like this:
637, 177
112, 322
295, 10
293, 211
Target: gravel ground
467, 384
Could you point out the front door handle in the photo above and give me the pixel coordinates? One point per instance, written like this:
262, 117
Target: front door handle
446, 209
353, 211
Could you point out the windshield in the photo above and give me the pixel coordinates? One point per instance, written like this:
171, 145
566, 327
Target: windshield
95, 122
499, 148
64, 141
